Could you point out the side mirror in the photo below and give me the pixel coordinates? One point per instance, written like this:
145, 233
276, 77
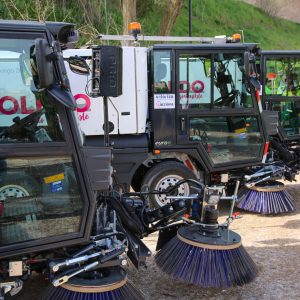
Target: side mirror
78, 65
42, 64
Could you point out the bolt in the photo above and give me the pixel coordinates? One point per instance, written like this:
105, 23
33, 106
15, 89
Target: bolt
123, 262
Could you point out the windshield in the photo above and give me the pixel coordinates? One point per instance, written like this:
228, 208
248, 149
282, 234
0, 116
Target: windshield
282, 91
27, 114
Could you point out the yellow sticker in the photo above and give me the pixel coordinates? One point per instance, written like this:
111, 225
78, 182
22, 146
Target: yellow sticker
53, 178
241, 130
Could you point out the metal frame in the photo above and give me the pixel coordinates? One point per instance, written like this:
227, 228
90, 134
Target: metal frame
141, 38
71, 147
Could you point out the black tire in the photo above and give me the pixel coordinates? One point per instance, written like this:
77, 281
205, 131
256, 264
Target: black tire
166, 174
18, 185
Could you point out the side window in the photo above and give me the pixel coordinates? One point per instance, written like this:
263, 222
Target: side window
194, 81
225, 71
162, 71
229, 82
27, 115
227, 138
289, 115
282, 77
39, 198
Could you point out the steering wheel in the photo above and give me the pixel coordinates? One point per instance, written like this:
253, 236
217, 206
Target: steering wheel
24, 128
226, 100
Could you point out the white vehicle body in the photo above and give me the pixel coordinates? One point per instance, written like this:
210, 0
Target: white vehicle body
128, 112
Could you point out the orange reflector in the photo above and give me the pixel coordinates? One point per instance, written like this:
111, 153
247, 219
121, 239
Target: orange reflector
156, 151
135, 26
236, 37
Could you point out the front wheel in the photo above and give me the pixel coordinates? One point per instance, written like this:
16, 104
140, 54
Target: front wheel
166, 174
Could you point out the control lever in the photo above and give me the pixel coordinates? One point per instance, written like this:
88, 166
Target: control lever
54, 266
264, 174
61, 280
182, 124
233, 199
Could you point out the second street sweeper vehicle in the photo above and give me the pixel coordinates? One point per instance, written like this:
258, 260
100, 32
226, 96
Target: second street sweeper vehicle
59, 213
187, 111
280, 78
279, 73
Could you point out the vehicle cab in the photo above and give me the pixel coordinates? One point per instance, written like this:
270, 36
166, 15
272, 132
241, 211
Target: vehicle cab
280, 79
47, 196
202, 103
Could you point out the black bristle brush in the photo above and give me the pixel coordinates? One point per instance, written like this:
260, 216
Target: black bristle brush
113, 286
267, 198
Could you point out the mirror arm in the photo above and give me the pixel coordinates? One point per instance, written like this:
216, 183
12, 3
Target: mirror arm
52, 56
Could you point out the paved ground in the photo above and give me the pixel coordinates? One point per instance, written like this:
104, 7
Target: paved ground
273, 243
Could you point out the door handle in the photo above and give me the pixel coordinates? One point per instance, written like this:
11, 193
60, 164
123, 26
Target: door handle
183, 124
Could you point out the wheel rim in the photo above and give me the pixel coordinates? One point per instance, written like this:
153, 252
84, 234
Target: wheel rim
12, 191
165, 182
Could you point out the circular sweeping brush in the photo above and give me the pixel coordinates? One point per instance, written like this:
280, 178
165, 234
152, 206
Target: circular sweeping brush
208, 258
267, 198
109, 284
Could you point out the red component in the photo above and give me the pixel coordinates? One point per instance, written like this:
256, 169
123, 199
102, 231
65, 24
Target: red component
209, 147
266, 148
1, 208
271, 76
187, 216
236, 215
257, 95
189, 164
32, 261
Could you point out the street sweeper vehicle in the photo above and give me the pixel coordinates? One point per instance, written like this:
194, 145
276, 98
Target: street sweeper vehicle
59, 212
280, 79
279, 73
187, 111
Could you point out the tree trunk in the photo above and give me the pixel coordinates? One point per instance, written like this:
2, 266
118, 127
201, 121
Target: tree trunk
172, 11
129, 15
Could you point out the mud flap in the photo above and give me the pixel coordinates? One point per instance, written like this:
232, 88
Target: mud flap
166, 234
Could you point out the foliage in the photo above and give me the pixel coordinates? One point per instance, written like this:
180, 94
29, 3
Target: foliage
210, 17
217, 17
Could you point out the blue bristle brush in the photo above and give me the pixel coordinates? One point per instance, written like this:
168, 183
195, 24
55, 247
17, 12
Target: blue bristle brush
269, 198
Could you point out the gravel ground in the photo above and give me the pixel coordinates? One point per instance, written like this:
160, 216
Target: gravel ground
273, 243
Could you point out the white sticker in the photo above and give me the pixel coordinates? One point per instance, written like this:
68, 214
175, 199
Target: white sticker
164, 101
